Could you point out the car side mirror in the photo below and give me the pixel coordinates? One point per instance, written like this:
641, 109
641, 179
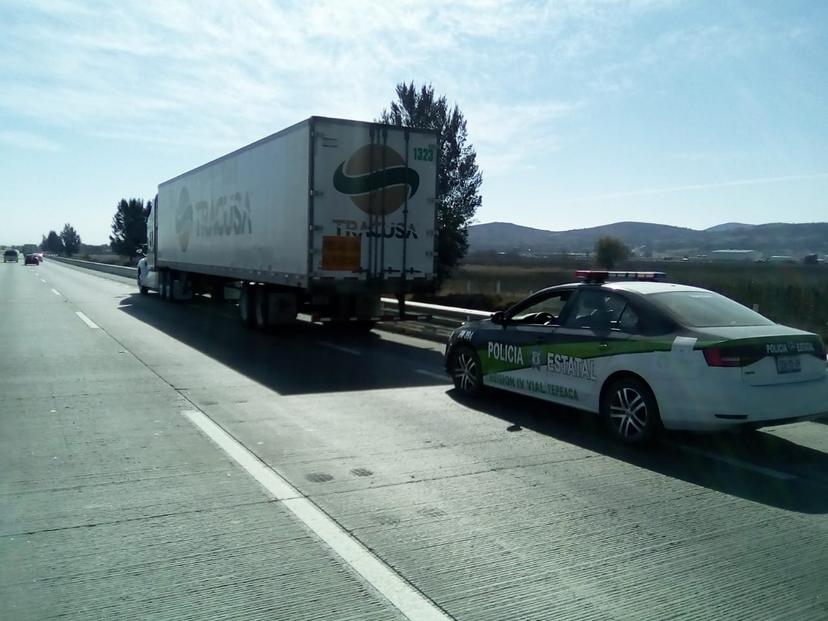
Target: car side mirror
498, 318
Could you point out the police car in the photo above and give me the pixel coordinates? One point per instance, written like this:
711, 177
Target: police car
645, 354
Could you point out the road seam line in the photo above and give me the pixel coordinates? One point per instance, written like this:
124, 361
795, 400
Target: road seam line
732, 461
87, 320
413, 604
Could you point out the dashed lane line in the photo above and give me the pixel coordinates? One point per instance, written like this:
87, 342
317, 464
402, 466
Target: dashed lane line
56, 292
87, 320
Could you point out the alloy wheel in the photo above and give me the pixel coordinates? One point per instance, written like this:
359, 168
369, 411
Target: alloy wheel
466, 372
628, 412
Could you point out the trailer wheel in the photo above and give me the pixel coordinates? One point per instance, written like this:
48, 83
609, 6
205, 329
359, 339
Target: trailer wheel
170, 294
163, 284
247, 300
260, 309
141, 288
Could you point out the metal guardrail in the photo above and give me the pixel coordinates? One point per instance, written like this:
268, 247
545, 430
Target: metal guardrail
452, 315
118, 270
442, 318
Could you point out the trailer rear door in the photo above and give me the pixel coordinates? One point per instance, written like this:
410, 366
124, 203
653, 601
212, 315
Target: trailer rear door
373, 203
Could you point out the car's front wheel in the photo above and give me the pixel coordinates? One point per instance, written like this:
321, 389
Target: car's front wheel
631, 411
465, 370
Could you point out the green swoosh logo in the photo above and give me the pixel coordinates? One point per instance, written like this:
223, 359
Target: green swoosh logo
376, 180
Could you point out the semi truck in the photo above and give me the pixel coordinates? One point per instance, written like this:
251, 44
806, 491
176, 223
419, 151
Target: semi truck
322, 218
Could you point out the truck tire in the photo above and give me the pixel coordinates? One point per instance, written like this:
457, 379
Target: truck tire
141, 288
162, 284
247, 302
260, 318
170, 296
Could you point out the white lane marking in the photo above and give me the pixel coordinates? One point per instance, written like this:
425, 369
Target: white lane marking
732, 461
43, 281
272, 482
347, 350
440, 376
87, 320
55, 291
410, 602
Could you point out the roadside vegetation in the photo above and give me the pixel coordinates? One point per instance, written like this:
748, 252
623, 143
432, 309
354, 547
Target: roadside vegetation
792, 294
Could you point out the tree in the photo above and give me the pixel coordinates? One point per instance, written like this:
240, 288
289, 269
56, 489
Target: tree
51, 243
458, 177
129, 227
71, 240
609, 251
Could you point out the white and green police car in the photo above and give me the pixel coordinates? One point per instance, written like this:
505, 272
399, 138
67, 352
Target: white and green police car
645, 354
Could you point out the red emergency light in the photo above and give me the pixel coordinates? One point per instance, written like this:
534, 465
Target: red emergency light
599, 276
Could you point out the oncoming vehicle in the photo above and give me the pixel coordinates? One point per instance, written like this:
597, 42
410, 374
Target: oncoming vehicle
10, 256
645, 354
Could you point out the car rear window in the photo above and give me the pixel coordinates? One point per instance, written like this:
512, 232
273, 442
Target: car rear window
706, 309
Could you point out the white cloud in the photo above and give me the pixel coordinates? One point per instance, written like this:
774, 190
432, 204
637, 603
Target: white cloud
507, 136
209, 72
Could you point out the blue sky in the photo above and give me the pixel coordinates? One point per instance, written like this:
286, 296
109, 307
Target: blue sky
690, 113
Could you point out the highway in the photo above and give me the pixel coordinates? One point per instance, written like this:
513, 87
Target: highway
161, 461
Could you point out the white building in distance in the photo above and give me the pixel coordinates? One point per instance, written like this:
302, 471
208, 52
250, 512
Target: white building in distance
735, 255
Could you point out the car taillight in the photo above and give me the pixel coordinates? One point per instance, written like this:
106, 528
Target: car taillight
717, 357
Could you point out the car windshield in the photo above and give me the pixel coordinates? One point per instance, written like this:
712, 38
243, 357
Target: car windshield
706, 309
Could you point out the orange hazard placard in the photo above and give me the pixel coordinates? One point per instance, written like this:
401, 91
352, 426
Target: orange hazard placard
341, 254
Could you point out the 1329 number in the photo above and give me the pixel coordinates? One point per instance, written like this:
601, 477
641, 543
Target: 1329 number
426, 155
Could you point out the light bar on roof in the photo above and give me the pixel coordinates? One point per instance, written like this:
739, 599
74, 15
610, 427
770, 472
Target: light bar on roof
604, 275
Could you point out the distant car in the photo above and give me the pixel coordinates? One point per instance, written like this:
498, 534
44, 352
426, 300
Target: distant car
31, 259
39, 256
645, 354
10, 256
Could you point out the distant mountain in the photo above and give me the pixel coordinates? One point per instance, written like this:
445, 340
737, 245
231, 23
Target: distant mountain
769, 239
728, 226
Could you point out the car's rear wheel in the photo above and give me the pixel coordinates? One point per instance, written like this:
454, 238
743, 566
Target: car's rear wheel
466, 371
631, 411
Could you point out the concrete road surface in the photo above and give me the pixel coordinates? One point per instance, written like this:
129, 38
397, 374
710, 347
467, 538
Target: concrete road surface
160, 461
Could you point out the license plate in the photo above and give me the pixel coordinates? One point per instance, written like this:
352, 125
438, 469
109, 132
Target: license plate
788, 364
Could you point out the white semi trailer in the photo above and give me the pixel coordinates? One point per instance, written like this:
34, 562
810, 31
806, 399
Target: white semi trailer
321, 218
